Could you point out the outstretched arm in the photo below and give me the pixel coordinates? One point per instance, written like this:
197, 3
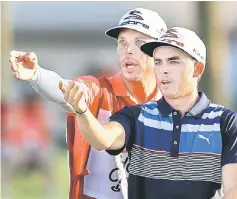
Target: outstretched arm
108, 136
45, 82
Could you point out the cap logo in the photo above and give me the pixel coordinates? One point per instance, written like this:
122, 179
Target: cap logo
171, 33
171, 36
170, 41
134, 14
198, 54
134, 23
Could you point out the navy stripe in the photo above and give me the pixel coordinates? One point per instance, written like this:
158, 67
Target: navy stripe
152, 138
185, 120
193, 142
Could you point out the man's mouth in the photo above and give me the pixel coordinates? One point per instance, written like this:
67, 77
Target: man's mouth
165, 82
128, 66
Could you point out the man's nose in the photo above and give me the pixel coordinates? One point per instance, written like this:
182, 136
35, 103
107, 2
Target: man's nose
165, 69
130, 49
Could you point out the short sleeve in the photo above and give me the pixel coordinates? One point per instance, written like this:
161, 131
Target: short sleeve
127, 117
228, 126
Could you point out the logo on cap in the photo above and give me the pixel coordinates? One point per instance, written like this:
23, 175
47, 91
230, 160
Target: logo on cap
134, 14
197, 53
171, 37
171, 33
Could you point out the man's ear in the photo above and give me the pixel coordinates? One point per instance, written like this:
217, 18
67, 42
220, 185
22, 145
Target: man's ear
198, 69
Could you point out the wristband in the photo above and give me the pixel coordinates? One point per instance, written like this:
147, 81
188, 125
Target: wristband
81, 113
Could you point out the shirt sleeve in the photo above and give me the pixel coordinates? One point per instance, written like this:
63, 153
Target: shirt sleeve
228, 126
127, 117
45, 82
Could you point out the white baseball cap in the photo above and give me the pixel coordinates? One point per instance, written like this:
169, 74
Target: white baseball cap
181, 38
141, 20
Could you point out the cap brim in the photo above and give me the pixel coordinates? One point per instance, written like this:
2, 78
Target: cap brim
114, 32
149, 47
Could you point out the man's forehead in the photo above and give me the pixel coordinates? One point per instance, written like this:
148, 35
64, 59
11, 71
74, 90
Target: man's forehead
166, 52
126, 32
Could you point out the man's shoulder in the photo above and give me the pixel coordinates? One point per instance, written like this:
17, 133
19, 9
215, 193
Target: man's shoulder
213, 108
227, 116
114, 85
221, 109
150, 108
134, 110
149, 105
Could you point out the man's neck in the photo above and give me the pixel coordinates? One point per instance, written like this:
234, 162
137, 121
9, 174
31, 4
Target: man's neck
142, 91
185, 103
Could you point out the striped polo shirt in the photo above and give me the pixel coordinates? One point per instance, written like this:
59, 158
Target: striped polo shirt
173, 156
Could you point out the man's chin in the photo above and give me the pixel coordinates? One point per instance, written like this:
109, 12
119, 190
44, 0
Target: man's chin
131, 78
167, 94
171, 95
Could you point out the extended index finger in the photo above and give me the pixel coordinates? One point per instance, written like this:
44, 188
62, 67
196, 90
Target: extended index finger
68, 89
61, 86
15, 53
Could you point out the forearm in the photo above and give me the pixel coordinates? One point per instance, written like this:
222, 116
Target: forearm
229, 179
101, 137
231, 193
45, 82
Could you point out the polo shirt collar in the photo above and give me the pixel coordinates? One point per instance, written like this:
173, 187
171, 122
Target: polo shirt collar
196, 111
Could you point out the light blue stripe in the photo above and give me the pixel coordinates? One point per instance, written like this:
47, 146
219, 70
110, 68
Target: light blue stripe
168, 126
201, 142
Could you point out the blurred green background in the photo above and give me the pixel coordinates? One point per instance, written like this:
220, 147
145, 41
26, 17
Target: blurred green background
30, 185
68, 37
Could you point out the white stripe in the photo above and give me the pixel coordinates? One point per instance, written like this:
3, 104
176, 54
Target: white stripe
212, 115
156, 123
173, 160
140, 148
185, 127
178, 176
200, 127
151, 111
215, 105
150, 103
158, 166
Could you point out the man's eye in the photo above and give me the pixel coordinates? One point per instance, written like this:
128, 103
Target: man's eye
174, 62
140, 42
158, 63
122, 42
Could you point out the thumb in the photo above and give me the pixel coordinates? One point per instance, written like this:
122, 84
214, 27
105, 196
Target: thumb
16, 74
31, 57
61, 86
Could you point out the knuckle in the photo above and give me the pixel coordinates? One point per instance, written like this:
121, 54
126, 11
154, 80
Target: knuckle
66, 97
31, 54
74, 104
77, 87
11, 53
